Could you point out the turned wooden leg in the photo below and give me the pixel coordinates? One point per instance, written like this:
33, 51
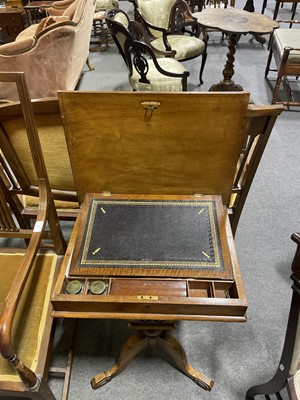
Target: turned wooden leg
227, 84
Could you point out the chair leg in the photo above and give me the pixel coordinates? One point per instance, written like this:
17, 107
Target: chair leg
264, 6
44, 392
90, 66
276, 90
294, 8
268, 62
279, 380
204, 57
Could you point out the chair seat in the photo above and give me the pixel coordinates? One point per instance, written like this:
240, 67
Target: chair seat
31, 316
186, 46
159, 82
288, 38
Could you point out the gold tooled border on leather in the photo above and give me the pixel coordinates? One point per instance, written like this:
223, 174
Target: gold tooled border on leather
84, 261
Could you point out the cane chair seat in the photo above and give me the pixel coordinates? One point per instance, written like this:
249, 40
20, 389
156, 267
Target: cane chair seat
31, 317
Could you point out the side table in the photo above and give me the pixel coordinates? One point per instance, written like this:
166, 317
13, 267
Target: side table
234, 22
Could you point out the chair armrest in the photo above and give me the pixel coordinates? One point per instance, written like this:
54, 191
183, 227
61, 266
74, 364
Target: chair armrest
17, 47
151, 52
147, 25
139, 34
11, 302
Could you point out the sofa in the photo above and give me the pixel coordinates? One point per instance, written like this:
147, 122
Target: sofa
52, 53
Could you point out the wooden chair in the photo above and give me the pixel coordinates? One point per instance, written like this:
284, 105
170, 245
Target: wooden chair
165, 24
285, 45
27, 274
13, 141
288, 373
146, 70
277, 5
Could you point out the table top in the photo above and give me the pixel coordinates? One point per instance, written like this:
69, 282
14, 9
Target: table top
232, 20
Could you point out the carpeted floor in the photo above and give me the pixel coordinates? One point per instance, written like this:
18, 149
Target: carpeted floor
236, 356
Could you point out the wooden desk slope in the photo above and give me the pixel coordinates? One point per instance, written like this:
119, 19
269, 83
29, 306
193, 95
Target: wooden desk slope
158, 144
153, 149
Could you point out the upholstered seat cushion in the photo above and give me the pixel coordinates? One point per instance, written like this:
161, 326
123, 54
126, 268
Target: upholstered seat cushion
31, 314
185, 46
158, 81
288, 38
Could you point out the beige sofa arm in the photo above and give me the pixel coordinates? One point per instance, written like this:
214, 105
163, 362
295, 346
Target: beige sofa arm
18, 47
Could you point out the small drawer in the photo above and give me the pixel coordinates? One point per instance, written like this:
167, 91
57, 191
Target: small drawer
200, 289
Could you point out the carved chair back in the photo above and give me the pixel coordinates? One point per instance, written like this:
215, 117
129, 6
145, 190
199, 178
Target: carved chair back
136, 51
